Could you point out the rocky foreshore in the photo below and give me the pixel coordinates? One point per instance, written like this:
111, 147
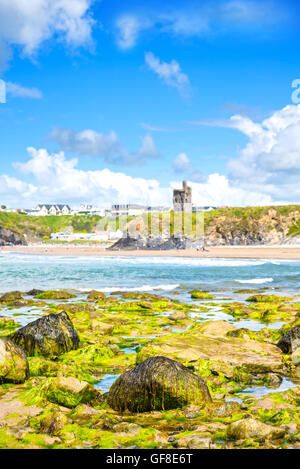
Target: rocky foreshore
176, 380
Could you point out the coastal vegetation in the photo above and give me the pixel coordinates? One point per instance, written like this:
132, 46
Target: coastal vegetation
225, 226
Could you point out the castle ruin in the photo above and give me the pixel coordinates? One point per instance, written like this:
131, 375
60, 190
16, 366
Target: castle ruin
182, 199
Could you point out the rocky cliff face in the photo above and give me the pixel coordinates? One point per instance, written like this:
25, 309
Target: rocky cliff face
8, 237
270, 228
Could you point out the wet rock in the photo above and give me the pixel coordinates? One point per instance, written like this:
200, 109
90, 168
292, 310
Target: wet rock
53, 422
102, 327
225, 409
201, 295
126, 427
49, 336
11, 296
290, 341
70, 392
193, 442
157, 383
178, 316
96, 295
265, 299
232, 356
296, 357
13, 363
34, 292
55, 295
254, 429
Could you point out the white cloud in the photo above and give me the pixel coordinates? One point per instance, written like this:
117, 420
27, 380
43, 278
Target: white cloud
270, 162
169, 73
128, 29
181, 163
58, 179
16, 90
27, 24
199, 19
91, 143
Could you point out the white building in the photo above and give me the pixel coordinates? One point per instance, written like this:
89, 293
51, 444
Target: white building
48, 209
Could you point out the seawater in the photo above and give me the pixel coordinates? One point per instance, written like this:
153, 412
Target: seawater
159, 274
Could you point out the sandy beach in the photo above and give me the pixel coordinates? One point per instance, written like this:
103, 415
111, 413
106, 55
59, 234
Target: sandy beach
233, 252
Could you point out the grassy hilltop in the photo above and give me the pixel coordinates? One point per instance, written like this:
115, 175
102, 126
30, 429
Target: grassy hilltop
248, 225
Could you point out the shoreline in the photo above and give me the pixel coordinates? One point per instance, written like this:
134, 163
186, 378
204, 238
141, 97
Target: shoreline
233, 252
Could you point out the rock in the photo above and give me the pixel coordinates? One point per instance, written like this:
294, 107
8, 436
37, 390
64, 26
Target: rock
34, 292
290, 341
55, 295
70, 392
253, 429
96, 295
264, 299
157, 383
11, 296
13, 363
49, 336
102, 327
197, 442
126, 427
53, 422
178, 316
201, 295
8, 237
296, 356
229, 355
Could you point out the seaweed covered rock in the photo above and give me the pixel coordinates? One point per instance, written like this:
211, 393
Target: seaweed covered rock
290, 341
254, 429
55, 295
266, 299
70, 392
13, 363
34, 292
11, 296
49, 336
155, 384
96, 295
201, 295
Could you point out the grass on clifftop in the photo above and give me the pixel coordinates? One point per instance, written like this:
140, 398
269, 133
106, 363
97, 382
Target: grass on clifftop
40, 227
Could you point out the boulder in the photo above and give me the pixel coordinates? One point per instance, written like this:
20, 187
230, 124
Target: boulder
53, 422
11, 296
290, 341
157, 383
253, 429
49, 336
201, 295
34, 292
96, 295
55, 295
13, 363
178, 316
70, 392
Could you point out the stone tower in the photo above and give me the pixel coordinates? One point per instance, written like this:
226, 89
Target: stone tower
182, 199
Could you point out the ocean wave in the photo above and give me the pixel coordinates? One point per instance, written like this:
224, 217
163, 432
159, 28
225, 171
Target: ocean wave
257, 281
143, 288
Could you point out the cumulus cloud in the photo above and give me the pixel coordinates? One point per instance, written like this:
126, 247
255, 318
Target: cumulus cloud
181, 163
16, 90
270, 162
28, 24
57, 179
109, 147
169, 73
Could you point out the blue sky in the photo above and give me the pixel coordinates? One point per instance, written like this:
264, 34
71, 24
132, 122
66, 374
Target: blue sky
120, 101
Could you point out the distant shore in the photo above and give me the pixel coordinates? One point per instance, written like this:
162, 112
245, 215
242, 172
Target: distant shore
232, 252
